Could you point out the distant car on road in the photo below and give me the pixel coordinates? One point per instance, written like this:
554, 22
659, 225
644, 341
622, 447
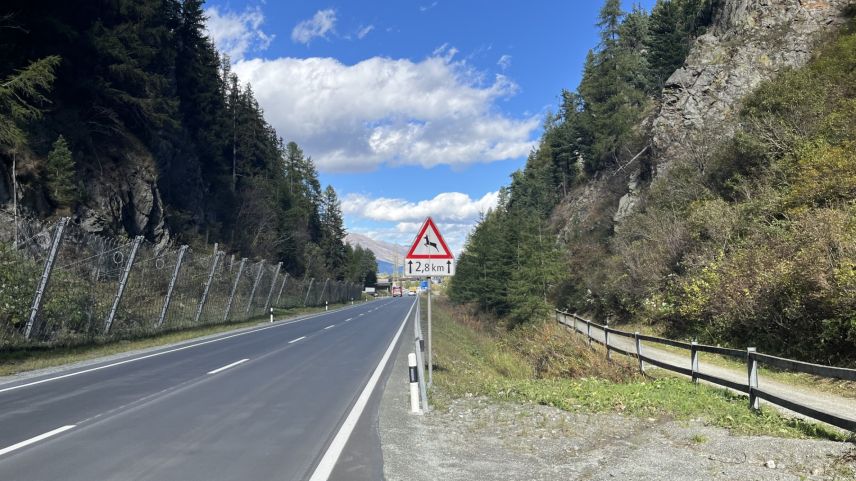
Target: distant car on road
396, 292
411, 291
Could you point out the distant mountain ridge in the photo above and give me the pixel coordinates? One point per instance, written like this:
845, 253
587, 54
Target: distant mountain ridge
385, 252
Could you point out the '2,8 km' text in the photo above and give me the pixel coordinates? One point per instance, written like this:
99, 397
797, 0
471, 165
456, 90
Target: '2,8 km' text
427, 268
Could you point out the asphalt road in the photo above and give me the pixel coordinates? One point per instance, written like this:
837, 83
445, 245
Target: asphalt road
264, 404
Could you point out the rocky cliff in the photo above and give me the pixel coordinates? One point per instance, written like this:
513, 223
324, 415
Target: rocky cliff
750, 42
120, 198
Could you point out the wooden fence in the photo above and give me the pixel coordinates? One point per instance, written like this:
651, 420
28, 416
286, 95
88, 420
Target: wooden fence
750, 356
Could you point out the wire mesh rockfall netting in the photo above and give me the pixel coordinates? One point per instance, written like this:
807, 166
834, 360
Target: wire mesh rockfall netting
24, 246
99, 288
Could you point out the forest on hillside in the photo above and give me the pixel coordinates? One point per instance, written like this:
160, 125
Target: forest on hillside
93, 93
752, 240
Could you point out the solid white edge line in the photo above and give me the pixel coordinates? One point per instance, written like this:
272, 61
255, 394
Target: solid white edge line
126, 361
328, 461
221, 369
295, 340
36, 439
331, 326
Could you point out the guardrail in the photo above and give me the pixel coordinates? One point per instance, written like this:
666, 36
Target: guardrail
750, 356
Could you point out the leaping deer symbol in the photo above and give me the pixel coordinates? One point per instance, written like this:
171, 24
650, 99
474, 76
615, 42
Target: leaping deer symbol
428, 243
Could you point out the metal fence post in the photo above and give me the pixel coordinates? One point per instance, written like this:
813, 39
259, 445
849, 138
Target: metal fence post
123, 281
46, 275
168, 297
694, 360
234, 290
255, 285
606, 340
323, 290
639, 352
752, 368
588, 332
281, 288
308, 290
272, 285
207, 285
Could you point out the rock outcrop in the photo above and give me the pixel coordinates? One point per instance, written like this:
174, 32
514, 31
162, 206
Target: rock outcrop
127, 200
749, 43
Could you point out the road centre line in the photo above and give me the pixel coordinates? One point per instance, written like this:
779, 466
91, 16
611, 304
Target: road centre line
295, 340
228, 366
331, 456
331, 326
36, 439
182, 348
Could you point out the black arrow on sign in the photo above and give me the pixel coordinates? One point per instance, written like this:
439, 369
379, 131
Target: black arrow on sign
448, 267
410, 267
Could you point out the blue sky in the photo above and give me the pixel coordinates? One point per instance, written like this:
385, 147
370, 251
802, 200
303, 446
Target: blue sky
409, 108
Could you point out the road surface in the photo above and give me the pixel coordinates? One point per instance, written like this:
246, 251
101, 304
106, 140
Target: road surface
280, 401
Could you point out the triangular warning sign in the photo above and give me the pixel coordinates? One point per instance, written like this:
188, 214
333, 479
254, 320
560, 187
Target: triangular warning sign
429, 244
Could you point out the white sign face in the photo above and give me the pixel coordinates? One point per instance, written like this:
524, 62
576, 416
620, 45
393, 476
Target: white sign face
429, 255
429, 267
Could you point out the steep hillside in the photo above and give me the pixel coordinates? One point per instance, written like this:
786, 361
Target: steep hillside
122, 115
719, 206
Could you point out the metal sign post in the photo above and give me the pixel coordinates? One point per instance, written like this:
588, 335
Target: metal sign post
429, 256
430, 360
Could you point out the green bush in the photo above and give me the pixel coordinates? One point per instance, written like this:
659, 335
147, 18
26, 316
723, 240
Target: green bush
18, 279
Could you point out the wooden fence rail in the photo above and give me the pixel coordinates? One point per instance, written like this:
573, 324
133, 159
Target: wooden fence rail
751, 357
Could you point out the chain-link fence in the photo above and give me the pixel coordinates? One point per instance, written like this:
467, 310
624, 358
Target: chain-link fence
62, 285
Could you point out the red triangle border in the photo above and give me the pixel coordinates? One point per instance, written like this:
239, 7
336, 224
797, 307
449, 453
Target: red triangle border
429, 223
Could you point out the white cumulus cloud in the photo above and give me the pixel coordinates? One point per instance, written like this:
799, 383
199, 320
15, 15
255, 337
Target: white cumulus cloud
318, 26
454, 207
389, 111
237, 33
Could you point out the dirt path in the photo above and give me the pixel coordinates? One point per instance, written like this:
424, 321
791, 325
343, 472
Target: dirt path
838, 405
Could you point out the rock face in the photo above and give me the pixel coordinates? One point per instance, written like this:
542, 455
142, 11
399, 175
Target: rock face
127, 201
749, 42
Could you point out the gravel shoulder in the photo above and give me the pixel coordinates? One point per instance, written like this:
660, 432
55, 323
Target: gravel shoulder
478, 438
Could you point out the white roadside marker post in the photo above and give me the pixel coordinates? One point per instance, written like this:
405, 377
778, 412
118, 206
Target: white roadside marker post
325, 305
414, 383
271, 315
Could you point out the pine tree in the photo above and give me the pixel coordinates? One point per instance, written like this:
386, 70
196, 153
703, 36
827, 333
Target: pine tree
60, 172
333, 234
668, 41
609, 21
21, 97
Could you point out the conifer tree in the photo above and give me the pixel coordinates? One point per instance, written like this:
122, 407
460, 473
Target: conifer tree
60, 172
22, 95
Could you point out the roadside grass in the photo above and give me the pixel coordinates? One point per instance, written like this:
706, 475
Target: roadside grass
21, 360
831, 386
543, 364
